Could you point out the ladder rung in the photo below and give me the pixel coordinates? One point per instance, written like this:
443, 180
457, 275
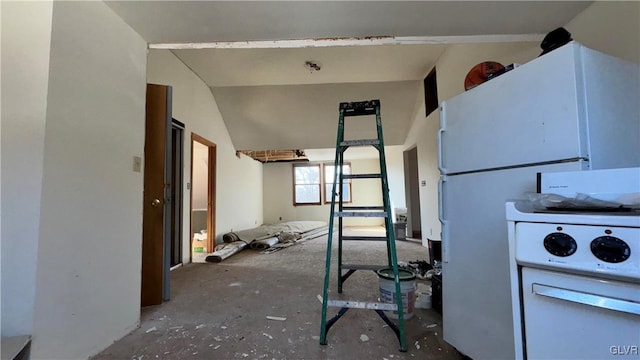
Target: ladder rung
363, 208
365, 238
360, 214
359, 112
363, 267
362, 305
361, 176
364, 142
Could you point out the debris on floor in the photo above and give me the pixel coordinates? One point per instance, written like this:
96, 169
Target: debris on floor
287, 284
269, 238
225, 250
420, 268
288, 240
264, 243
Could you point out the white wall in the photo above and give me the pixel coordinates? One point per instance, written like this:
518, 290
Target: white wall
89, 253
26, 41
238, 180
278, 190
451, 67
612, 27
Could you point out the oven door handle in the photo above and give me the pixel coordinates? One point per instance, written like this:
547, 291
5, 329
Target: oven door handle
604, 302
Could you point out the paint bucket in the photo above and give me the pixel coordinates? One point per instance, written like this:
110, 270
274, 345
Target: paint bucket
388, 290
423, 297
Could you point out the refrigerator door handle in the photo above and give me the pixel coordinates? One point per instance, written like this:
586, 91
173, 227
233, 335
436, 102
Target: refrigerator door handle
441, 167
445, 224
440, 198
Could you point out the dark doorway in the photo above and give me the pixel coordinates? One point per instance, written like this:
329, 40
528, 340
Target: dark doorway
412, 193
177, 145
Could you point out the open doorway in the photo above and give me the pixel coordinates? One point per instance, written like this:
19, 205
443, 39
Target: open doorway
177, 147
203, 179
412, 193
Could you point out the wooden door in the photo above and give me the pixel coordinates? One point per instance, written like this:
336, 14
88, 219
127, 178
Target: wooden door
154, 226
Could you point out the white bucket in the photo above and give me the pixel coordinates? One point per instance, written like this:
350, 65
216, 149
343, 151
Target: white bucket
423, 296
407, 291
423, 301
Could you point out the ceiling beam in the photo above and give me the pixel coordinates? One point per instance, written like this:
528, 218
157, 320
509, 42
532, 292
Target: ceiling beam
352, 41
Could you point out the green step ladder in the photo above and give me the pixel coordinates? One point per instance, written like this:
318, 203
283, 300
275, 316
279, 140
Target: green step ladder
353, 109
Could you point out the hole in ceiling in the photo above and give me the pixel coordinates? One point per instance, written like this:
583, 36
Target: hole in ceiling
268, 156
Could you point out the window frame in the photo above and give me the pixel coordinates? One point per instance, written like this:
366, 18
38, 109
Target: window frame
320, 183
326, 198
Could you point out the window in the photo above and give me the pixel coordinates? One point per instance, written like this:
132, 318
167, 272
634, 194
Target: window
430, 92
328, 183
306, 180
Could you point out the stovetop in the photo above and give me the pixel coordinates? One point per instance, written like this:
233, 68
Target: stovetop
524, 211
623, 211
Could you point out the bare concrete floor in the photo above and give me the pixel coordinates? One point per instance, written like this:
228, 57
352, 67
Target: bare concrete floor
219, 311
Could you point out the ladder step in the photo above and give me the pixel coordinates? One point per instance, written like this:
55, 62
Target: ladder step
365, 142
360, 108
365, 238
362, 176
363, 208
362, 305
363, 267
361, 214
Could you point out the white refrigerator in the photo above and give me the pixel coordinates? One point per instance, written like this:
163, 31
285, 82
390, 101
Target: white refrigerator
571, 109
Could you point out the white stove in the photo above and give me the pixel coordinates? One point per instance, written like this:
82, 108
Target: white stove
575, 282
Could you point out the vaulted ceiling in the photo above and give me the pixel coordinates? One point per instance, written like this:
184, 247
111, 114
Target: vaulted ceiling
270, 100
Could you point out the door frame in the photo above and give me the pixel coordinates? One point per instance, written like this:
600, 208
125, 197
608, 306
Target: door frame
211, 194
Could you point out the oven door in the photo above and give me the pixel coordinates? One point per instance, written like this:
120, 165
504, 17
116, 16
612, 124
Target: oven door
569, 316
